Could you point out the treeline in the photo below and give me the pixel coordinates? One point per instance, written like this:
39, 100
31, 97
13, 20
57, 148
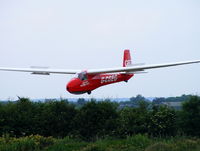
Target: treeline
98, 119
134, 101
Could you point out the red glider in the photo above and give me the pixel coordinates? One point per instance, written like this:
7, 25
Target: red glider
88, 80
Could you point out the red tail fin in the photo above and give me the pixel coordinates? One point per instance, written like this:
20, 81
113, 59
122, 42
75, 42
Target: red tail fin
127, 58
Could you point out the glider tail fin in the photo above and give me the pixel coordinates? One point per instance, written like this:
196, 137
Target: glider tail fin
127, 58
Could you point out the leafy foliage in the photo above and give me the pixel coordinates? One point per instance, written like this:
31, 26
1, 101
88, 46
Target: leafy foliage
190, 117
132, 121
162, 121
98, 119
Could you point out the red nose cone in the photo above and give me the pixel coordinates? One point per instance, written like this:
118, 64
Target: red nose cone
73, 85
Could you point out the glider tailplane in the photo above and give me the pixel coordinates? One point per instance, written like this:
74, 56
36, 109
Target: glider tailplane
127, 58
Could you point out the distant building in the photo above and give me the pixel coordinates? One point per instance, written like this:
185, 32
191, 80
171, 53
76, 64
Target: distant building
176, 105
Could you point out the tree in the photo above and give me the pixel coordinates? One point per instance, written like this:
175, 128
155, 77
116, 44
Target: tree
18, 117
56, 118
7, 118
96, 119
133, 120
190, 116
162, 121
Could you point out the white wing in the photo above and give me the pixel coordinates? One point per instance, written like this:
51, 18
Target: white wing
41, 71
138, 68
132, 69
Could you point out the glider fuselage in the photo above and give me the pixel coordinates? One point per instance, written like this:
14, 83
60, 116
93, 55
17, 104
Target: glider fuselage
85, 83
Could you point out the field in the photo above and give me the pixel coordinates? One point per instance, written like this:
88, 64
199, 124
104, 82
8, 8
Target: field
98, 126
134, 143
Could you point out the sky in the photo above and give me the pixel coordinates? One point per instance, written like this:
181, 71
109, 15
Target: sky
93, 34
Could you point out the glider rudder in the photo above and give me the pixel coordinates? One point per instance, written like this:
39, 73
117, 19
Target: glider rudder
127, 58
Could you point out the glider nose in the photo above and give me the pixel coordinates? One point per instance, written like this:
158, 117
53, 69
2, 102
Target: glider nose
72, 85
69, 87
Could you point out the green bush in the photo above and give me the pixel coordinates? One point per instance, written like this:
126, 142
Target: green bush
189, 117
30, 143
139, 141
162, 121
96, 120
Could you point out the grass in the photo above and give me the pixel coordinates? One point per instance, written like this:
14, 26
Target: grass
133, 143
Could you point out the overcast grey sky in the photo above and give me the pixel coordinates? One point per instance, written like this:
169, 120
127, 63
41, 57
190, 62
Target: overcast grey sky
83, 34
